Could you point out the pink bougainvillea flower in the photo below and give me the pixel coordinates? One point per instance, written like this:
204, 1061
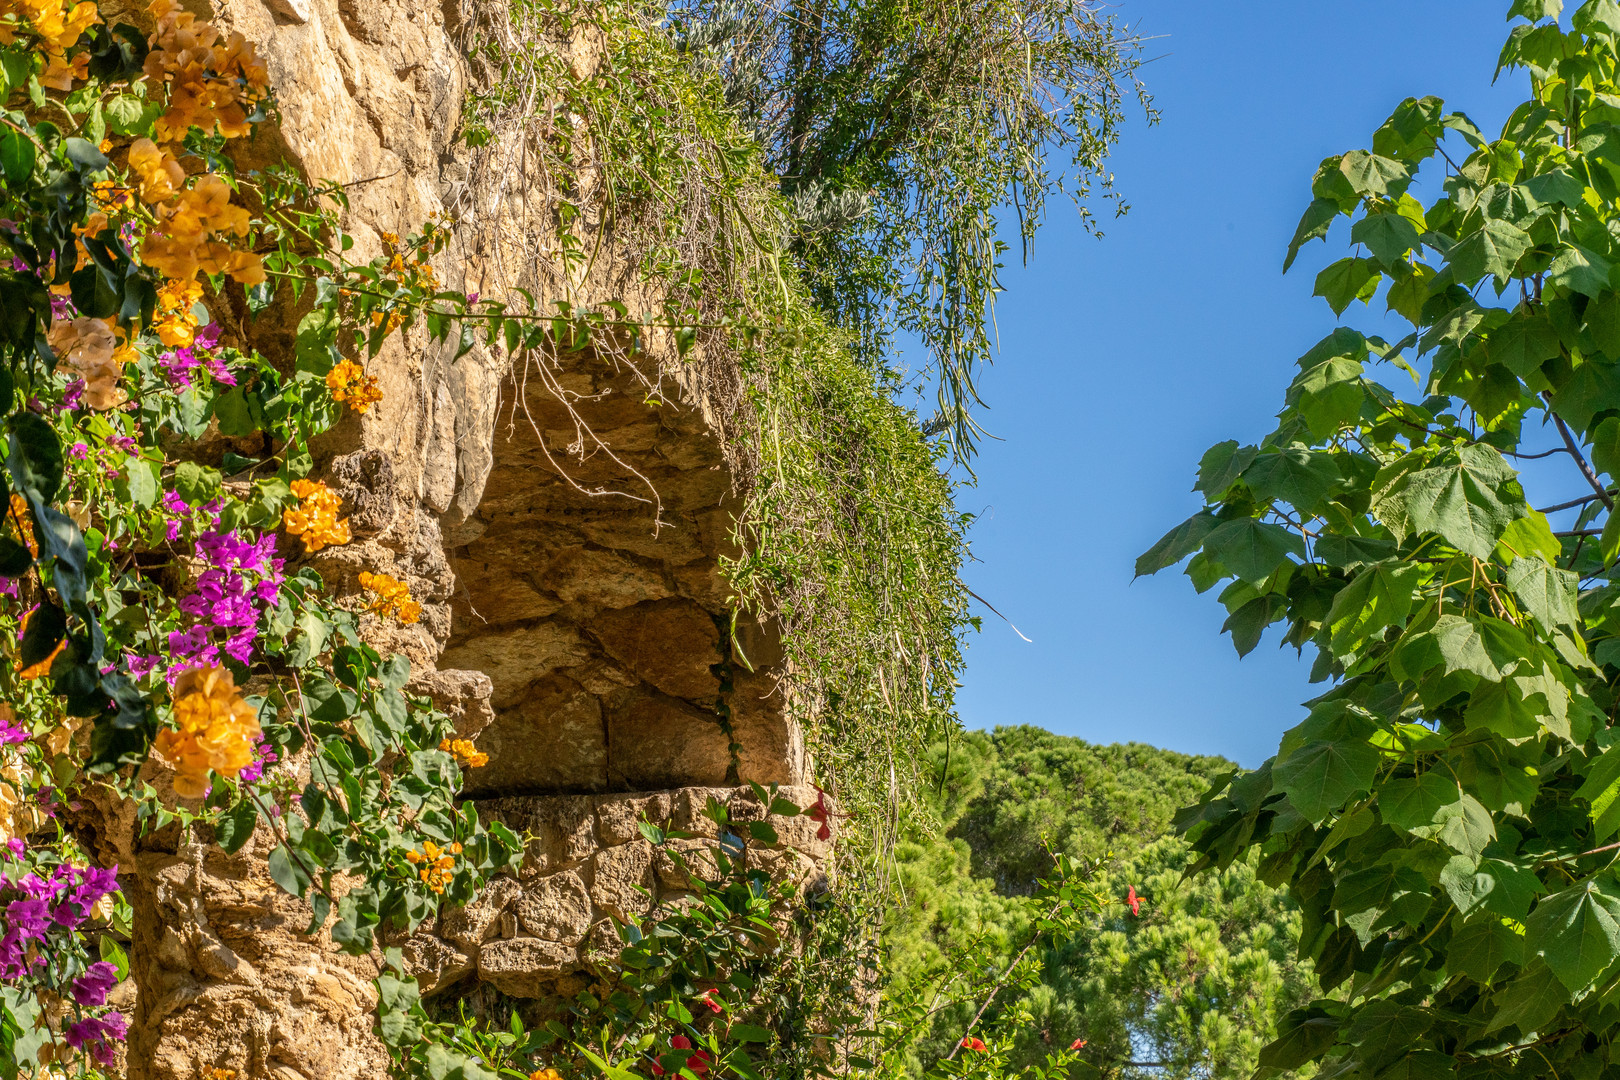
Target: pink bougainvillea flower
1134, 901
95, 1035
970, 1043
91, 988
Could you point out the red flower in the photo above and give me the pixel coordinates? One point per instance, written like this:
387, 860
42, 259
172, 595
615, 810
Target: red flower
1135, 901
698, 1062
1077, 1044
820, 812
708, 998
657, 1069
970, 1043
680, 1042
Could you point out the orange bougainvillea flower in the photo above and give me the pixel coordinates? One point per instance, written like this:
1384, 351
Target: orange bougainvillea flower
315, 519
393, 597
215, 729
436, 865
465, 752
20, 523
545, 1074
351, 385
213, 81
176, 320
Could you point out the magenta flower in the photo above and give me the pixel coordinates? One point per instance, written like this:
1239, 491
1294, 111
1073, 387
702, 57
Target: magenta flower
91, 988
96, 1035
11, 733
79, 451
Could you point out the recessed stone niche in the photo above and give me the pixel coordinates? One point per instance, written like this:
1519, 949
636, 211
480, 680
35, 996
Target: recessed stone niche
588, 589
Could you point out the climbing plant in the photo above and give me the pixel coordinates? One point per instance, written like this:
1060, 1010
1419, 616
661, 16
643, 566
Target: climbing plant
1445, 815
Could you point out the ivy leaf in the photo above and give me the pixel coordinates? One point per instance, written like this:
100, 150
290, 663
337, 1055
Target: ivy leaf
1321, 776
1492, 249
1577, 932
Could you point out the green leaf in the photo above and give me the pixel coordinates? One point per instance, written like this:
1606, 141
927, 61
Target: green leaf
1523, 344
1371, 174
1346, 280
1546, 592
286, 872
1463, 826
1294, 474
1314, 225
1321, 776
1176, 544
1222, 464
36, 455
17, 156
1416, 802
1535, 10
1378, 597
1328, 395
1461, 502
1601, 790
1577, 931
235, 826
1502, 888
1580, 270
1493, 248
1388, 236
1530, 1001
1252, 549
1482, 945
1303, 1040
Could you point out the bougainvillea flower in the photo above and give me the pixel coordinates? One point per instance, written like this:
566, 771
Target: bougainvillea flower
95, 1035
1134, 901
970, 1043
91, 988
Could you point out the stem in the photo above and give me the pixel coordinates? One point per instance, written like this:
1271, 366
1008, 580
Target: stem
1580, 460
1001, 981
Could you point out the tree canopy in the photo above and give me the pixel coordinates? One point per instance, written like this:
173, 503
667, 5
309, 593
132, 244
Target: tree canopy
1191, 984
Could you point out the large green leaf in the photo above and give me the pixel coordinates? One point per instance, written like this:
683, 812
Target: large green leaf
1294, 474
1346, 280
1580, 270
1415, 802
1462, 502
1493, 248
1482, 945
1252, 549
1577, 932
1388, 236
1378, 597
1176, 544
1523, 344
1321, 776
1546, 592
1601, 790
1313, 225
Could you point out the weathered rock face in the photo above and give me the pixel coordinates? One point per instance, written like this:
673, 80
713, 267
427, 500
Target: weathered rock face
564, 536
588, 869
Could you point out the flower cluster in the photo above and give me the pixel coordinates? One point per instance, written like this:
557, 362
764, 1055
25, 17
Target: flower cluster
435, 865
180, 365
351, 385
214, 82
216, 730
392, 597
697, 1061
61, 901
242, 579
315, 521
545, 1074
57, 24
189, 218
90, 349
465, 752
176, 319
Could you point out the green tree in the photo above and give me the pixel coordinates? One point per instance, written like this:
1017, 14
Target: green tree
1190, 986
903, 132
1445, 814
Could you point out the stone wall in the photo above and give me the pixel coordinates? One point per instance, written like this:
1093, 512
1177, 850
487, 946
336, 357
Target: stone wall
587, 635
543, 934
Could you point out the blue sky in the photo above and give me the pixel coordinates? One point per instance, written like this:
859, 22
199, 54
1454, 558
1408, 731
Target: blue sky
1123, 359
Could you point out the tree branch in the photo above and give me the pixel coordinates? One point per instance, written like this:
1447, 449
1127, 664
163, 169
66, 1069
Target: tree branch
1580, 459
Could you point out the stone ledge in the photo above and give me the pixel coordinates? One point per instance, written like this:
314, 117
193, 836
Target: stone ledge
588, 868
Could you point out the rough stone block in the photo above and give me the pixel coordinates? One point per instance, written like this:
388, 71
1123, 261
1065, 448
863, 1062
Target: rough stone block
618, 817
557, 908
521, 967
552, 742
513, 659
479, 921
621, 879
671, 644
657, 742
